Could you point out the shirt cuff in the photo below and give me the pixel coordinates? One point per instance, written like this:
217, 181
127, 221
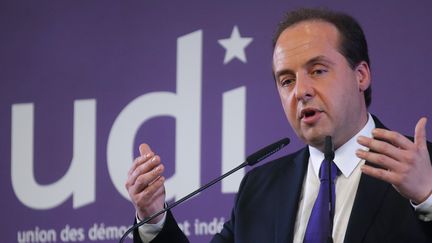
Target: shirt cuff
148, 232
424, 209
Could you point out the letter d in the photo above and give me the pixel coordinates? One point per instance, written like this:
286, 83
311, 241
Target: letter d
184, 106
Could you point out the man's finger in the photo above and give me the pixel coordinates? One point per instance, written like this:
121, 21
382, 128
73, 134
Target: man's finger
144, 149
148, 192
145, 154
379, 173
392, 137
379, 159
140, 160
149, 178
420, 133
381, 147
143, 169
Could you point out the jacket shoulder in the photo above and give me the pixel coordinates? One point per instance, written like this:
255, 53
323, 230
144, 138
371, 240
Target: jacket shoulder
280, 163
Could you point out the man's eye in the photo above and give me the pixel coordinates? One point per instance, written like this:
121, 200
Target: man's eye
287, 81
318, 72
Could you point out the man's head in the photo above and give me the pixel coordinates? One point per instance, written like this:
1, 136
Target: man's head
321, 79
352, 45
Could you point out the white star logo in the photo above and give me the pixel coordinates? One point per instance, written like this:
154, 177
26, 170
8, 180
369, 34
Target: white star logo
235, 45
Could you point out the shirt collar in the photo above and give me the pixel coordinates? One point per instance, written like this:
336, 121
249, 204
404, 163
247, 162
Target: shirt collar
345, 158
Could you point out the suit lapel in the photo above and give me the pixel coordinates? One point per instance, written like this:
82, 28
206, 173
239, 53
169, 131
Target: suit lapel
369, 198
288, 199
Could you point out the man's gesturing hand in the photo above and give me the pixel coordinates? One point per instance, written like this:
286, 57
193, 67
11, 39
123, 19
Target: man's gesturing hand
404, 163
145, 184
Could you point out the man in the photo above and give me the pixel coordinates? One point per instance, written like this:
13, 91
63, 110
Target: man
321, 69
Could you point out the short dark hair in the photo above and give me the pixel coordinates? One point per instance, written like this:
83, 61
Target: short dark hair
352, 46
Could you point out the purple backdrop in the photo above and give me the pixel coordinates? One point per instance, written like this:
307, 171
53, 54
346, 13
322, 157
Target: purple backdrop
102, 63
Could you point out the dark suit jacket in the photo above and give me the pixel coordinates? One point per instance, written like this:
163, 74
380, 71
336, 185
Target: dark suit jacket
266, 207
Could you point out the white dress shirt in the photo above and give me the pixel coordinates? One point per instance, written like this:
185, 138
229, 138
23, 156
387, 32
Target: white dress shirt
148, 232
346, 185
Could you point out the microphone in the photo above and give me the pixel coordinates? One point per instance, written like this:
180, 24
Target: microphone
328, 157
329, 149
250, 160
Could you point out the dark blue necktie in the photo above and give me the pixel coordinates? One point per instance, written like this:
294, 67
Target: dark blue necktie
320, 223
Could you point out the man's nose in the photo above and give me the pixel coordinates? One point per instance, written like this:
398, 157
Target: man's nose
304, 90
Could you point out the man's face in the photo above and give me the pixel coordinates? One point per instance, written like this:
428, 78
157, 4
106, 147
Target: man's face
320, 93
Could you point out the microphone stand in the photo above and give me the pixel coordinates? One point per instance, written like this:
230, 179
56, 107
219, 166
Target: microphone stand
250, 160
329, 157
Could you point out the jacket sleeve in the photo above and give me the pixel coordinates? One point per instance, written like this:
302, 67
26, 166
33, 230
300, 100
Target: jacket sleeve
170, 232
227, 233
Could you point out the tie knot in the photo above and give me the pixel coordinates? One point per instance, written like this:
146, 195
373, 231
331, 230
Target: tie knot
326, 168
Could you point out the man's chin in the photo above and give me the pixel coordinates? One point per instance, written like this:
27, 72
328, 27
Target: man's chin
315, 140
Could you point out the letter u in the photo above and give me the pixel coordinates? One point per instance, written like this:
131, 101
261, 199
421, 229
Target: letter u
78, 181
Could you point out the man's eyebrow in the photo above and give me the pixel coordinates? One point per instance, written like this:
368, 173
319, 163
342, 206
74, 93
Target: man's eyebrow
310, 62
283, 72
318, 59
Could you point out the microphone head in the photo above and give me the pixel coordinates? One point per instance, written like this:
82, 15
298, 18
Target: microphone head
267, 151
328, 149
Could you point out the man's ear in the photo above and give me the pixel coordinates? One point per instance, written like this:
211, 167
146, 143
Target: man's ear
363, 75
